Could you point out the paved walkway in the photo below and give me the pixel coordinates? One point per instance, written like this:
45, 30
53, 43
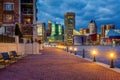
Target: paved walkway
55, 64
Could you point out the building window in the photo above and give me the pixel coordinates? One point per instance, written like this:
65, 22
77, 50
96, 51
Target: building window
9, 6
8, 18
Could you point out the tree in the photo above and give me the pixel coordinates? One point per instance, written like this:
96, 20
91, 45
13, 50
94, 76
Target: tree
17, 31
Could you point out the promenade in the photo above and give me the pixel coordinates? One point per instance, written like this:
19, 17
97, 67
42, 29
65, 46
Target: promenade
56, 64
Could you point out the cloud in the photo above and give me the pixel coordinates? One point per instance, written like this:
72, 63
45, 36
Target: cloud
103, 11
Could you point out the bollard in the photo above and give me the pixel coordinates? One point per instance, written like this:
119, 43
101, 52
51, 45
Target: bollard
94, 55
94, 59
83, 53
112, 60
75, 51
70, 49
111, 63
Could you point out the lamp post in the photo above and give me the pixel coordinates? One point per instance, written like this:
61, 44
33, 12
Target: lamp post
83, 53
70, 49
111, 60
75, 51
94, 55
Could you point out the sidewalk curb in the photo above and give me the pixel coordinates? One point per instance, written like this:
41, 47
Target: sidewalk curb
101, 64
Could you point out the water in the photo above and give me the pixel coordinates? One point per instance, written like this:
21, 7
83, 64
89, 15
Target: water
103, 53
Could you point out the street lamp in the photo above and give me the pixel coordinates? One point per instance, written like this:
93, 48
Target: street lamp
75, 51
94, 53
70, 49
112, 60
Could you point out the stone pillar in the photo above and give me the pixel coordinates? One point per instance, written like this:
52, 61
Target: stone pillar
17, 43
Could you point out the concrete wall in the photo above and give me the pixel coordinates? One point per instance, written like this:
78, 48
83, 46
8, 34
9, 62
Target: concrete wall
6, 47
23, 48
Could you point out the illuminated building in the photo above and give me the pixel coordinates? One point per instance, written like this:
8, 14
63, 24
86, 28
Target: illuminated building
106, 27
57, 33
112, 37
48, 33
41, 32
69, 21
84, 31
92, 27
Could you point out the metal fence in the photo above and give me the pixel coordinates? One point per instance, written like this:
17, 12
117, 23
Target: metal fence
6, 39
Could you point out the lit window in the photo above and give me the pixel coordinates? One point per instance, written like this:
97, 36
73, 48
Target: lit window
8, 18
9, 6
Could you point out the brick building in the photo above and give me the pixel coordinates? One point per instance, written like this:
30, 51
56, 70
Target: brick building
9, 15
22, 12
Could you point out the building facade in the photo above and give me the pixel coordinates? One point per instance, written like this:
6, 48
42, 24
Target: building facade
69, 21
41, 32
22, 12
57, 33
92, 27
9, 16
48, 32
106, 27
28, 17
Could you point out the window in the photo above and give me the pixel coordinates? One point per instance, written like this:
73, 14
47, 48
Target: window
8, 18
9, 6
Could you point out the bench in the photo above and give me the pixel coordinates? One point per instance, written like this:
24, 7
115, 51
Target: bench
15, 55
7, 58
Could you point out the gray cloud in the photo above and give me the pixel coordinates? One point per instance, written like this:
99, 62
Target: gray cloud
103, 11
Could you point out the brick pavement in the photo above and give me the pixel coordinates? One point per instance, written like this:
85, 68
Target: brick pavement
55, 64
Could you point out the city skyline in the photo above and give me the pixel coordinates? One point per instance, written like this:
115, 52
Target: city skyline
103, 12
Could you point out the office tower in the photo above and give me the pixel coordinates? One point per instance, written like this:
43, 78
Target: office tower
9, 16
105, 28
41, 32
92, 27
69, 22
49, 28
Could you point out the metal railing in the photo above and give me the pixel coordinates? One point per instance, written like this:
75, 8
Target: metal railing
6, 39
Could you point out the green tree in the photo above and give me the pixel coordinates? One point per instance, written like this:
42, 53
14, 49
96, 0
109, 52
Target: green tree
17, 31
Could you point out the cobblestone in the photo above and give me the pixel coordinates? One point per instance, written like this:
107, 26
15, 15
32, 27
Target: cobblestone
55, 64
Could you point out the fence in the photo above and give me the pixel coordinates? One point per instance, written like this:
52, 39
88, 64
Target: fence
7, 39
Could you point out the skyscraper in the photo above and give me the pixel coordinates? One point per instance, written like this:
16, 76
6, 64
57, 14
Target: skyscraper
49, 28
41, 32
69, 21
92, 27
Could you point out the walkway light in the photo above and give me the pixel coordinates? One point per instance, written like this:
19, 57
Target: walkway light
112, 56
94, 53
75, 51
70, 49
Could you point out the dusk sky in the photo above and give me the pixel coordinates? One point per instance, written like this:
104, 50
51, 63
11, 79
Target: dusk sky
102, 11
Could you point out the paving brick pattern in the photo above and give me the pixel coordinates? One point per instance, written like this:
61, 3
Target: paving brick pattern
55, 64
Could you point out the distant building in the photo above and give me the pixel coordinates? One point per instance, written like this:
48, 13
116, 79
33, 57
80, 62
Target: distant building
106, 27
41, 32
92, 27
57, 33
84, 31
48, 31
112, 37
69, 21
